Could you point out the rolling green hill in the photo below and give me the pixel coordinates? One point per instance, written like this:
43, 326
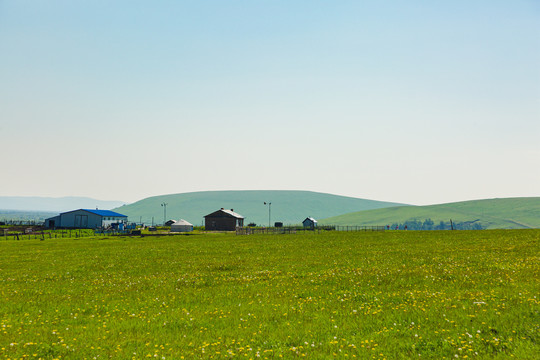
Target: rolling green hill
289, 207
510, 213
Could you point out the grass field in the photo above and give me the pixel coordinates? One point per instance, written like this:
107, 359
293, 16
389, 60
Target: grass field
387, 295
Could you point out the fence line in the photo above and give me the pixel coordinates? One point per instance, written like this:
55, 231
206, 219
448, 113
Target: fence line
29, 234
295, 229
271, 230
22, 222
359, 228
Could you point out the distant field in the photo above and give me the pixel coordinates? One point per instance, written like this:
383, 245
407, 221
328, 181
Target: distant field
383, 295
24, 215
509, 213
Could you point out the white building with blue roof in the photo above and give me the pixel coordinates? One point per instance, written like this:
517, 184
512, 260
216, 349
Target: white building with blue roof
86, 219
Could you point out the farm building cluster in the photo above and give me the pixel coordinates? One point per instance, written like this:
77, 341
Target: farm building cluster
220, 220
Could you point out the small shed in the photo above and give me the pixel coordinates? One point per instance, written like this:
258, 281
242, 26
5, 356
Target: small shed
223, 220
52, 222
309, 222
181, 226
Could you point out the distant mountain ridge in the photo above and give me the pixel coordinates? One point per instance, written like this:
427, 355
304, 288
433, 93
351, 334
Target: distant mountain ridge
52, 204
506, 213
288, 206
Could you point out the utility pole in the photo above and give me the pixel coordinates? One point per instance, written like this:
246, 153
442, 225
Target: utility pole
269, 212
164, 212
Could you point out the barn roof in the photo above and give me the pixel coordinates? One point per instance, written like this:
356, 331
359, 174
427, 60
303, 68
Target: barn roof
104, 212
181, 222
229, 212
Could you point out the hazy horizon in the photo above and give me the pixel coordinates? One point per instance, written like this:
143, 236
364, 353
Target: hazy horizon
122, 202
410, 102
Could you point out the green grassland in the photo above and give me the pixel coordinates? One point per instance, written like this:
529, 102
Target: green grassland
289, 207
509, 213
320, 295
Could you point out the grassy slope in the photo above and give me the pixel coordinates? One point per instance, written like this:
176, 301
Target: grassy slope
290, 207
511, 213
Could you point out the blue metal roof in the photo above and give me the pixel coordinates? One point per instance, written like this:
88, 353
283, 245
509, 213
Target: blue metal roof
104, 213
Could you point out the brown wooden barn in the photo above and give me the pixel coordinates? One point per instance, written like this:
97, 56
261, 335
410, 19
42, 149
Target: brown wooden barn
223, 220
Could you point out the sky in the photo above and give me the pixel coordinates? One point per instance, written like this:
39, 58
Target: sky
418, 102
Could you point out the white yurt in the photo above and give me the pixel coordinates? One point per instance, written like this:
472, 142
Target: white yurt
181, 226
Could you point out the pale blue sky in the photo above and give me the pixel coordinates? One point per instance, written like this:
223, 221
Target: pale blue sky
418, 102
